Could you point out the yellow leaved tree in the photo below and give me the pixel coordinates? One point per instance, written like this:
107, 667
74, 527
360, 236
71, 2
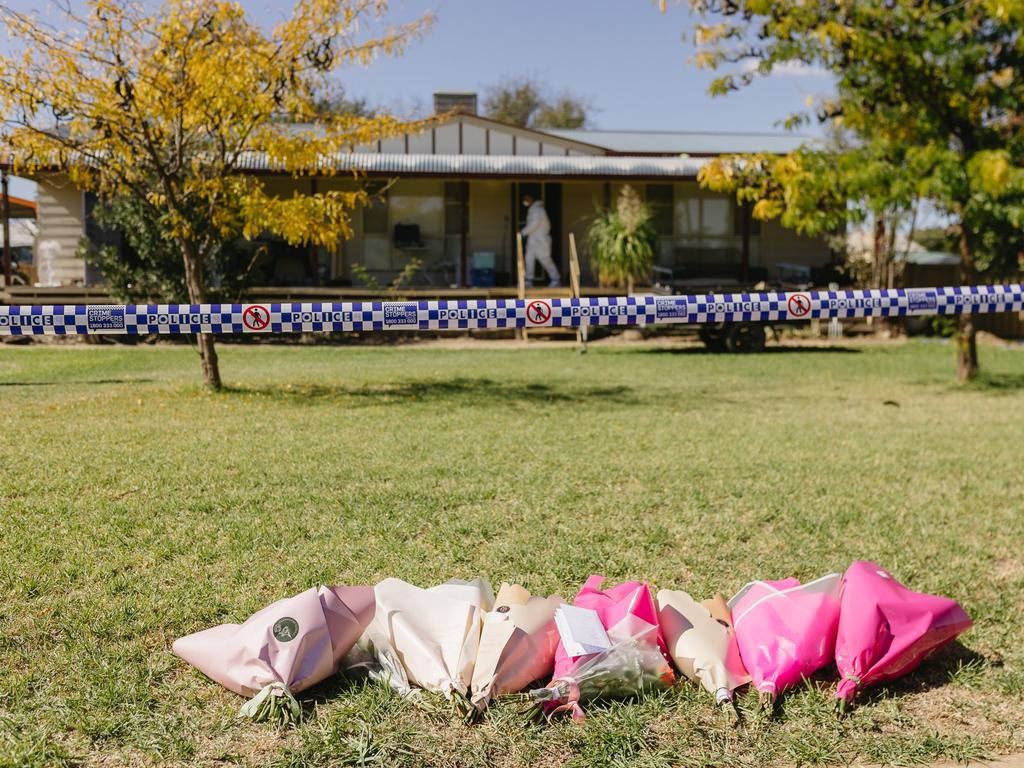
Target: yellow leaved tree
168, 106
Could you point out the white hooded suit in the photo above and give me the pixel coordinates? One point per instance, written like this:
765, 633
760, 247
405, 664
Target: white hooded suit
537, 232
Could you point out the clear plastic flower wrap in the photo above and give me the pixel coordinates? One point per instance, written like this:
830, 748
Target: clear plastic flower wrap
628, 667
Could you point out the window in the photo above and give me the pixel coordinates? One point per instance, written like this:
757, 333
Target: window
716, 216
375, 214
660, 199
688, 216
704, 216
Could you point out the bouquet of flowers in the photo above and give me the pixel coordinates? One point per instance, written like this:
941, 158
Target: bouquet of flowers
517, 644
786, 630
425, 638
285, 648
702, 642
887, 630
630, 666
610, 645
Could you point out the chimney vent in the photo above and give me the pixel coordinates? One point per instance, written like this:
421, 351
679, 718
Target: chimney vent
460, 101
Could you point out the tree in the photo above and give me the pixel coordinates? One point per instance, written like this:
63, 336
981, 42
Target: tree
150, 268
164, 107
932, 95
621, 241
563, 112
513, 101
523, 101
936, 239
337, 102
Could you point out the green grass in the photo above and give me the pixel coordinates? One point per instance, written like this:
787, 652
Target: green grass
137, 508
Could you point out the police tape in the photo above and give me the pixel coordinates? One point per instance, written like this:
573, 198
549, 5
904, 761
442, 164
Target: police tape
473, 314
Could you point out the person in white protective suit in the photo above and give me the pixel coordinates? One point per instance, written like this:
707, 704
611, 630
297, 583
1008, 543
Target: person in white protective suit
537, 232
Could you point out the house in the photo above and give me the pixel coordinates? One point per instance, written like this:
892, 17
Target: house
450, 201
18, 238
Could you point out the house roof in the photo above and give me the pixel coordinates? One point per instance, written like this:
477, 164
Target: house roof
683, 142
570, 166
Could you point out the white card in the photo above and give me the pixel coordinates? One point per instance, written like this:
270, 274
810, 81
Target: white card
581, 631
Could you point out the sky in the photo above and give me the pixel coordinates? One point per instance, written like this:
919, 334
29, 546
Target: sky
625, 57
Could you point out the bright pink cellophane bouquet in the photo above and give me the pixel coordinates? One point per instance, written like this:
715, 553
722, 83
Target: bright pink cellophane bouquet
625, 610
636, 660
886, 630
282, 649
786, 630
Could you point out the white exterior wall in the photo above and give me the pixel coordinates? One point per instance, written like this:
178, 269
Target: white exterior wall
61, 220
474, 140
471, 135
446, 139
501, 143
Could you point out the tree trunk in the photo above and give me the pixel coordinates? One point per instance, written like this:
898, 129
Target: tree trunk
197, 295
878, 253
966, 339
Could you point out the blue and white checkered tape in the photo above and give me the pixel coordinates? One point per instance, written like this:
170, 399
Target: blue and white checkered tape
470, 314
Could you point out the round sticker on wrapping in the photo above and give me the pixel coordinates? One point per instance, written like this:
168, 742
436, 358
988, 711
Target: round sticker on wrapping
285, 629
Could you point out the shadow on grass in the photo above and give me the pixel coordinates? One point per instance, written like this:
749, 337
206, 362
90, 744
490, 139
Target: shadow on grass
470, 391
773, 350
954, 662
936, 671
998, 382
76, 382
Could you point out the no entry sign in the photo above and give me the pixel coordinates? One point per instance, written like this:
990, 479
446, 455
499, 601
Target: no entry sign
538, 312
256, 317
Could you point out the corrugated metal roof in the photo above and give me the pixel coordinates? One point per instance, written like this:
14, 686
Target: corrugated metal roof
495, 165
678, 142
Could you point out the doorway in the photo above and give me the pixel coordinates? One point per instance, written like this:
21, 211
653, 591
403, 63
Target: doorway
551, 196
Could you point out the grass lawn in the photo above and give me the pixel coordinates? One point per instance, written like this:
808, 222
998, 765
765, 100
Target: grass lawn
135, 508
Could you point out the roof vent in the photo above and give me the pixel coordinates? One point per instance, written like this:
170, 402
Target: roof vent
459, 101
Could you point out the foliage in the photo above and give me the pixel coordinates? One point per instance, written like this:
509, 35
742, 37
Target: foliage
337, 102
565, 111
523, 101
936, 239
403, 278
167, 105
622, 239
931, 95
150, 268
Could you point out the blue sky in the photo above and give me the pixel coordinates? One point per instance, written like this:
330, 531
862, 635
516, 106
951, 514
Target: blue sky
624, 56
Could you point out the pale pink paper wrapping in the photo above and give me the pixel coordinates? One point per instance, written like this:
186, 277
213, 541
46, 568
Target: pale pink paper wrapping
702, 642
297, 641
517, 643
886, 630
786, 630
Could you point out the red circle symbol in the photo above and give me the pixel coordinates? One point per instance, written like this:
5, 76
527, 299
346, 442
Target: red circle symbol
256, 317
799, 305
538, 312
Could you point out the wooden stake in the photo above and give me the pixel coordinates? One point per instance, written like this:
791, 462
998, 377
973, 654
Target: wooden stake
521, 272
574, 281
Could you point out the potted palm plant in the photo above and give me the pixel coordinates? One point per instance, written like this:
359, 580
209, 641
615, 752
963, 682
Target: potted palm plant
621, 241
